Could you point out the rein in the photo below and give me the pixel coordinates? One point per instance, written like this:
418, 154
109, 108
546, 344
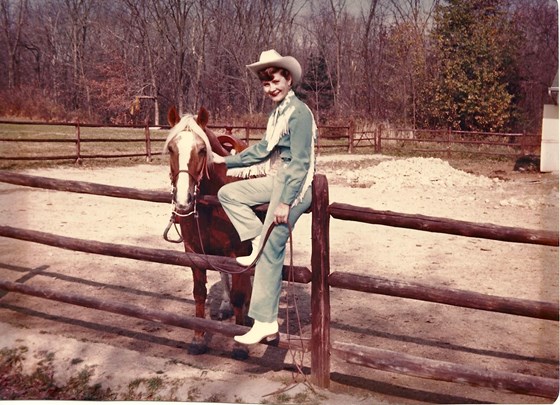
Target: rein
194, 213
174, 212
174, 192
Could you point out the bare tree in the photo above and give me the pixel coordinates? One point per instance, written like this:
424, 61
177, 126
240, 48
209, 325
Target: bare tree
13, 19
370, 58
141, 23
171, 19
371, 49
408, 55
78, 25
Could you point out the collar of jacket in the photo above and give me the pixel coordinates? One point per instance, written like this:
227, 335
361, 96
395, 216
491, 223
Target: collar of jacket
280, 108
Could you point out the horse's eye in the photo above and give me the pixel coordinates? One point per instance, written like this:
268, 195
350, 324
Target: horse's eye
202, 151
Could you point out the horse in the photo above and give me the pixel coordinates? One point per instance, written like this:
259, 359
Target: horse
205, 229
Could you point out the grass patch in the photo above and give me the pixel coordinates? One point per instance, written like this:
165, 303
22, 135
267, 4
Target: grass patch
40, 384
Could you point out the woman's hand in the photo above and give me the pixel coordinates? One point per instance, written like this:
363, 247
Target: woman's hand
217, 158
281, 213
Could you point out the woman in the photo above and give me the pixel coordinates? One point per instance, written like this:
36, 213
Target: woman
285, 156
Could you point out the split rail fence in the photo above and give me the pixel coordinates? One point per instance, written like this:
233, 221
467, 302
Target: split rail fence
322, 280
341, 137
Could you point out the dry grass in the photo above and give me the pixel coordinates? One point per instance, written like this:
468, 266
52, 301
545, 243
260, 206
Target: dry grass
40, 384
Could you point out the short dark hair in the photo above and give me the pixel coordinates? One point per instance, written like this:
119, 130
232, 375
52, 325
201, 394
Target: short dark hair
268, 73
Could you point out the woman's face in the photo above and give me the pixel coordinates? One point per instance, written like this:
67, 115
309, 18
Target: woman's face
277, 88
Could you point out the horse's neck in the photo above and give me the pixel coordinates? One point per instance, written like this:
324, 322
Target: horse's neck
218, 177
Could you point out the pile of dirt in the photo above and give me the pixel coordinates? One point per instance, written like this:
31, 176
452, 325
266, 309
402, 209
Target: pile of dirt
414, 172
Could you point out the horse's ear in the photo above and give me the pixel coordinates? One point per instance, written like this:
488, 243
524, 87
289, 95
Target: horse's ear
203, 117
173, 117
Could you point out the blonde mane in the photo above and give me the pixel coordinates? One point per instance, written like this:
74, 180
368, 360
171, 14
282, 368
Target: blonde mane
188, 122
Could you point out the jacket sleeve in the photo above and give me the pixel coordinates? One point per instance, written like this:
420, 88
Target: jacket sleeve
301, 133
253, 154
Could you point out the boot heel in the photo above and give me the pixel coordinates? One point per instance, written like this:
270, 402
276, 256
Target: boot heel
273, 339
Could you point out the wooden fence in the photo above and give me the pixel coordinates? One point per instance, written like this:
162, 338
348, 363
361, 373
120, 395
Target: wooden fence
446, 142
342, 137
322, 280
78, 140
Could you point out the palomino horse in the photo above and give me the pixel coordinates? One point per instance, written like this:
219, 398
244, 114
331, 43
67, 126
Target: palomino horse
205, 229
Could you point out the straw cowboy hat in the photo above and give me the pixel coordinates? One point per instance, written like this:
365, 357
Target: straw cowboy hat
273, 58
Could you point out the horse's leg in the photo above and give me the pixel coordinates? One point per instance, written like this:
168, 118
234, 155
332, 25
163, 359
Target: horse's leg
198, 344
240, 298
226, 310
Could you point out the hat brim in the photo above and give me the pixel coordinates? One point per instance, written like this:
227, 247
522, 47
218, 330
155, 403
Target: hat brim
287, 62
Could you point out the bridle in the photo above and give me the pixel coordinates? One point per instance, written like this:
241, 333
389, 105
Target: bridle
194, 213
174, 176
196, 180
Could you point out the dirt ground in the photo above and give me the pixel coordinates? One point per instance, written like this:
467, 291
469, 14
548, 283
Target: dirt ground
121, 350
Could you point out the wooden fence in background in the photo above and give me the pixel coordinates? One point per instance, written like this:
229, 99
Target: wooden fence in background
348, 138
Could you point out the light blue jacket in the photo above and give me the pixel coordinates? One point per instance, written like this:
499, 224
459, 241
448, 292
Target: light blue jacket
295, 147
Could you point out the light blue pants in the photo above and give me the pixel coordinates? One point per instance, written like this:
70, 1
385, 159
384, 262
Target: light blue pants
237, 198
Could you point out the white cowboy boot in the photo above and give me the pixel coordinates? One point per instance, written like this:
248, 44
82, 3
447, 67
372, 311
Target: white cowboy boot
247, 260
258, 332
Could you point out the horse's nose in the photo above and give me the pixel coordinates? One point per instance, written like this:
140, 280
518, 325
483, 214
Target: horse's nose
187, 205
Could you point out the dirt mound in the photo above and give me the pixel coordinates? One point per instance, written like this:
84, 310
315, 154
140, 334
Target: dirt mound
414, 172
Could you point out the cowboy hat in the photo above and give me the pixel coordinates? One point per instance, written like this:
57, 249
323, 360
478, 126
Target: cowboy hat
272, 58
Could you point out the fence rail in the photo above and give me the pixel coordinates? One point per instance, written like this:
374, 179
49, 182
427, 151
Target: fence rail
330, 137
443, 225
228, 329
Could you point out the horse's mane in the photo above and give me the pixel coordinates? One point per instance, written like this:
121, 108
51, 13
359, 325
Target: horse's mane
189, 122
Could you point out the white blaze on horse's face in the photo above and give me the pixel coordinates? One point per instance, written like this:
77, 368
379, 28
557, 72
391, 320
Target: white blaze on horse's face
184, 197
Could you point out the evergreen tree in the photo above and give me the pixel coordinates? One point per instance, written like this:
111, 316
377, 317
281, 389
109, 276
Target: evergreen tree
469, 87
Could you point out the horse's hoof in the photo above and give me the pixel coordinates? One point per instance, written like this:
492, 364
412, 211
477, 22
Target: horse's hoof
240, 353
225, 314
197, 348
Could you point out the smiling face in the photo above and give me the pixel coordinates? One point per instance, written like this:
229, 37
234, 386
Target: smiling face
277, 87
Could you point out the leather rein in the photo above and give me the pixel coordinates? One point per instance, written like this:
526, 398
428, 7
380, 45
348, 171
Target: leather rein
174, 212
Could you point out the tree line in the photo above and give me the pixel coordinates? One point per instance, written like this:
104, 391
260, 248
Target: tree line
482, 65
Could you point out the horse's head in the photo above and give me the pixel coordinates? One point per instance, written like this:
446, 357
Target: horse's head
190, 156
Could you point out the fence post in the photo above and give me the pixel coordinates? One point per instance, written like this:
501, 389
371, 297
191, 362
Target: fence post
78, 145
247, 134
448, 142
351, 128
378, 134
148, 140
320, 296
318, 142
523, 144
